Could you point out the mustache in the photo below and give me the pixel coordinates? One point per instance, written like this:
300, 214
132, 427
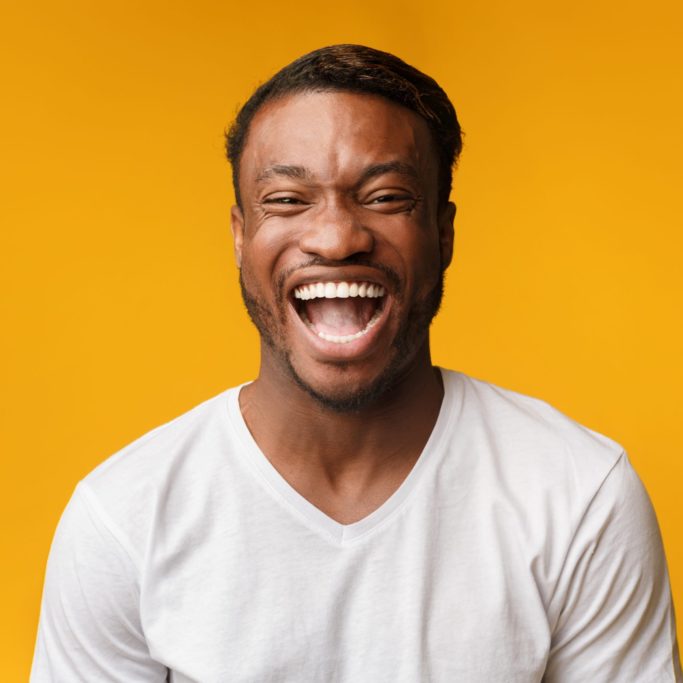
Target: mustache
357, 260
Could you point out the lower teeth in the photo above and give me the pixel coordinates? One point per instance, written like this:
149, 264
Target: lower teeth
346, 338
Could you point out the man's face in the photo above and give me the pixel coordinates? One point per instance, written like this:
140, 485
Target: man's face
340, 242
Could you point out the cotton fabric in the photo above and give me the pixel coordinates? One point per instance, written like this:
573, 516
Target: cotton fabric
521, 548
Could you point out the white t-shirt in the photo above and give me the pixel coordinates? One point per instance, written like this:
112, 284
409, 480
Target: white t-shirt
521, 548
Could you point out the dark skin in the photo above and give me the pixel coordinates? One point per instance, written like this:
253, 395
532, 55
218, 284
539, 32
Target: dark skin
342, 187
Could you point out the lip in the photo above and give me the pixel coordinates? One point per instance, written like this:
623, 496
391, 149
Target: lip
356, 349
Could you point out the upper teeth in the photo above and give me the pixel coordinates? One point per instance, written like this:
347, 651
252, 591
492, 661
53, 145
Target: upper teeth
338, 290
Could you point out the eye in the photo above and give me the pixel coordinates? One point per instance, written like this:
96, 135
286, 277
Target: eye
282, 200
386, 198
391, 201
283, 203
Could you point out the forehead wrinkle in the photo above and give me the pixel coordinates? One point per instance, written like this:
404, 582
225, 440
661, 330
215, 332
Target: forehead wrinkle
284, 171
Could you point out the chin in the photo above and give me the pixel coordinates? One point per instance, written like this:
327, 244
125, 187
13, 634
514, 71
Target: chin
344, 393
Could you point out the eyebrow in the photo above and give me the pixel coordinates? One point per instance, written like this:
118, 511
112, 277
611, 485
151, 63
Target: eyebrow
302, 173
284, 170
400, 167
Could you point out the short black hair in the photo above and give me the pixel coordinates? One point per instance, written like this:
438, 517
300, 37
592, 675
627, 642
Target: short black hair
364, 70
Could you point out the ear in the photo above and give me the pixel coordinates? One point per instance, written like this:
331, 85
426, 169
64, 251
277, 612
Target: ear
446, 233
237, 227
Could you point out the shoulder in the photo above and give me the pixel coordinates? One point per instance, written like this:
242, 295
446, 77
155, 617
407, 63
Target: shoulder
530, 438
160, 449
568, 505
150, 476
536, 472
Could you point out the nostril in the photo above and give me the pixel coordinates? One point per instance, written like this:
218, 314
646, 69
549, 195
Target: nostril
337, 242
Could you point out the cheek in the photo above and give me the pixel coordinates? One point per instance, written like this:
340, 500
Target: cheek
427, 250
266, 260
262, 255
421, 257
269, 244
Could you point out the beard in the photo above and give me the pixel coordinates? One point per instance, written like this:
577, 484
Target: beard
409, 338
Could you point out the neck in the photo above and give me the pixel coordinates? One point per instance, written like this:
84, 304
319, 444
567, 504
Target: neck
313, 446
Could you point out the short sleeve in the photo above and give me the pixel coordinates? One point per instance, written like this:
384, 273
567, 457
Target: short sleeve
89, 623
614, 617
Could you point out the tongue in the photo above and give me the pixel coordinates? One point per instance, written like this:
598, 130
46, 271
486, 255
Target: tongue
339, 316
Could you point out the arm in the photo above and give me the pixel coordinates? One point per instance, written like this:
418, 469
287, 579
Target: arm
614, 618
89, 624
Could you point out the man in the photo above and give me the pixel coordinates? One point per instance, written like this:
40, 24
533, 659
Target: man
355, 514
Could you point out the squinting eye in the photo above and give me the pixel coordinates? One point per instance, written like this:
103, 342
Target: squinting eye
283, 205
389, 198
392, 202
282, 200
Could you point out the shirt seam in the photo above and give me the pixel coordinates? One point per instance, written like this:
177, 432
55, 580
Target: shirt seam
581, 518
92, 502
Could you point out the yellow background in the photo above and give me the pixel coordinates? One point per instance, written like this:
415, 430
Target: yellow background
120, 301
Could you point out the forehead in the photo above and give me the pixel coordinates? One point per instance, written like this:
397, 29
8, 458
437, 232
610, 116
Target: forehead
334, 135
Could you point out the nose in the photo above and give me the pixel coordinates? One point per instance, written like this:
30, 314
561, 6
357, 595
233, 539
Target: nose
336, 233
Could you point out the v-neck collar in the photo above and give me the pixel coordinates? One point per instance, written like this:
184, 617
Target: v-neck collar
314, 518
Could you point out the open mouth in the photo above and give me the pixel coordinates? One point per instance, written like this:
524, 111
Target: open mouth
339, 312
